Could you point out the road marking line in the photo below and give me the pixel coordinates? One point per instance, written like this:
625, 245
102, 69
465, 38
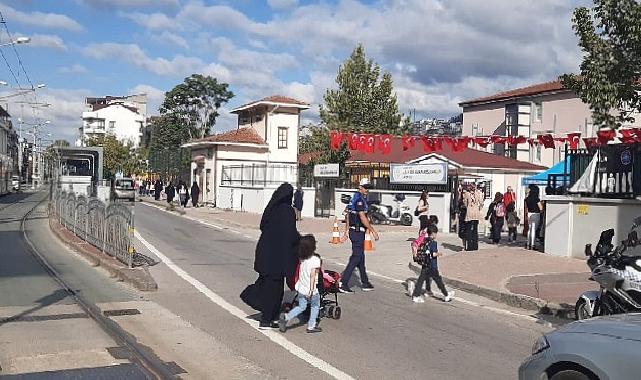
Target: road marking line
274, 336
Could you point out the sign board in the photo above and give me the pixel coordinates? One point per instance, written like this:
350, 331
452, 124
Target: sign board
326, 170
419, 174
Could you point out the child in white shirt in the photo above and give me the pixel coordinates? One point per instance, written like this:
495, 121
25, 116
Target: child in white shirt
306, 286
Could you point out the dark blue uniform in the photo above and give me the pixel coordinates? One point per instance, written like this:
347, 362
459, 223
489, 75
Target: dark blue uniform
357, 237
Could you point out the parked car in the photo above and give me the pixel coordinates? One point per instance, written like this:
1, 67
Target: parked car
603, 348
123, 188
15, 183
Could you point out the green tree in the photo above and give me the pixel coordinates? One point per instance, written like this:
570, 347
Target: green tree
364, 100
610, 37
194, 104
117, 156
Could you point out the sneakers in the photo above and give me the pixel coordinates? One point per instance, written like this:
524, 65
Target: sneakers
410, 287
315, 329
267, 325
345, 290
418, 299
449, 297
367, 287
282, 323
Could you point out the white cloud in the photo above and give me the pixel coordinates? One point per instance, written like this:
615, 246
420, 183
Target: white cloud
73, 69
133, 54
40, 19
155, 96
152, 21
229, 54
172, 39
282, 4
129, 3
47, 41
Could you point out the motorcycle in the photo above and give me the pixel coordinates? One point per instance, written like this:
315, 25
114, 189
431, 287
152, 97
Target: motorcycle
385, 214
618, 275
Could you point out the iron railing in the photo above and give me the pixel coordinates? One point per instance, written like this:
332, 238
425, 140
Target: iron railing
258, 175
108, 227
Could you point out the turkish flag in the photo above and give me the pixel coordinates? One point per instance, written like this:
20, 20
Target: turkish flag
606, 135
590, 142
481, 141
630, 135
432, 144
498, 139
408, 142
370, 143
546, 140
354, 141
516, 140
385, 144
574, 139
461, 144
336, 139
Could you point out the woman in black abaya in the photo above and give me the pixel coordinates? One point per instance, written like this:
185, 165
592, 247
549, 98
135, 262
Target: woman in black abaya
275, 253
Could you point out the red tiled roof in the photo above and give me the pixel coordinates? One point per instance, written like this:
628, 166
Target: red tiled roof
468, 158
282, 99
305, 158
537, 89
242, 136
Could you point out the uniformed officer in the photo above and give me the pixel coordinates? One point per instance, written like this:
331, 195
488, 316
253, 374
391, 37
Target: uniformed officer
357, 225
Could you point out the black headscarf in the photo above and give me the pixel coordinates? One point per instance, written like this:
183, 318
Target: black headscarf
282, 195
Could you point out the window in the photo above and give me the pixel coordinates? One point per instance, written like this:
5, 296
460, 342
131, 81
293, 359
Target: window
538, 152
282, 137
537, 114
112, 125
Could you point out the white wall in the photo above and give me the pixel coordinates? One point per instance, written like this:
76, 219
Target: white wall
290, 121
255, 200
573, 222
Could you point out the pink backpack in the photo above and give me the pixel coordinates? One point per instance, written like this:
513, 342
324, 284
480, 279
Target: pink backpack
499, 210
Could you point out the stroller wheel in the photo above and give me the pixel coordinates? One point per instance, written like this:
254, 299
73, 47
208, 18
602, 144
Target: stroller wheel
286, 307
330, 311
337, 312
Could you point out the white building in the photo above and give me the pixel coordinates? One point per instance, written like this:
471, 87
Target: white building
241, 168
123, 117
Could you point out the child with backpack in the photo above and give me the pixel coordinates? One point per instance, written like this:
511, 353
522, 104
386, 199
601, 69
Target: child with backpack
512, 222
425, 252
309, 271
496, 216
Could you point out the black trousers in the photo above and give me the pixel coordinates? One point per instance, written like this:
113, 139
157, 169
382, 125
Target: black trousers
427, 275
497, 227
472, 229
271, 294
424, 219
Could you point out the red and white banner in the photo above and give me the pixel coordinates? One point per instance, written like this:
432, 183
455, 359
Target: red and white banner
369, 143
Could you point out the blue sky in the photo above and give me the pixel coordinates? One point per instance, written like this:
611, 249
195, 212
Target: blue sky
439, 52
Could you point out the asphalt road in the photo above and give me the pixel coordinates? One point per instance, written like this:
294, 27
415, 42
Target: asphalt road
381, 335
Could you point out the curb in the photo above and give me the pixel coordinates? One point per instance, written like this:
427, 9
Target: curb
515, 300
139, 278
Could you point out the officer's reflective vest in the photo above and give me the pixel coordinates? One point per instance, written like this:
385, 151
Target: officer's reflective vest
354, 218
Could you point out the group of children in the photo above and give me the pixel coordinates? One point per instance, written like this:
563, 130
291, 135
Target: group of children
424, 251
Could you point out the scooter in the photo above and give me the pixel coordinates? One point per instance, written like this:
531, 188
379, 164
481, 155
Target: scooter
385, 214
618, 275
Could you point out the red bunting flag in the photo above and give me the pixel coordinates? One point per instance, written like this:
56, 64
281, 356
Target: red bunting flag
336, 139
630, 135
605, 135
481, 141
385, 144
590, 142
460, 144
546, 140
432, 144
516, 140
532, 141
574, 139
408, 142
354, 141
498, 139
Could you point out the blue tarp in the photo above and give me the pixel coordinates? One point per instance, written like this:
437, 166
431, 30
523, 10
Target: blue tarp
542, 178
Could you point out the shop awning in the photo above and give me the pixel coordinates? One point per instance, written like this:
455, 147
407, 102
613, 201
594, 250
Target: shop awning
542, 178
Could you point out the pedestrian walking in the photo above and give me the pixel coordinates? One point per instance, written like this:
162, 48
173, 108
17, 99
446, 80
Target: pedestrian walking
183, 194
157, 189
170, 191
150, 188
473, 200
298, 202
307, 285
512, 220
461, 224
276, 254
533, 209
425, 251
356, 226
509, 197
195, 193
496, 216
423, 210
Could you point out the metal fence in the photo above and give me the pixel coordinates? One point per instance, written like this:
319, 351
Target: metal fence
258, 175
108, 227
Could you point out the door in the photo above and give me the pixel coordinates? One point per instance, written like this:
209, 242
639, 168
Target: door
324, 202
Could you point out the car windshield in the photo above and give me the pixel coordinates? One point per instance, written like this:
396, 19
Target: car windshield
125, 183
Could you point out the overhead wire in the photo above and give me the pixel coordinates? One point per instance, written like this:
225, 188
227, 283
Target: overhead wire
13, 46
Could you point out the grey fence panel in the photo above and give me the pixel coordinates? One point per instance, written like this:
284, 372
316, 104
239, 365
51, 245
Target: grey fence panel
70, 212
81, 217
96, 223
119, 224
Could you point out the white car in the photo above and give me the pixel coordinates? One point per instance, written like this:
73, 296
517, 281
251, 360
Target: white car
15, 183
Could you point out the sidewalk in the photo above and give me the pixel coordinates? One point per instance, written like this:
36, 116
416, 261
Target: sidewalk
506, 273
